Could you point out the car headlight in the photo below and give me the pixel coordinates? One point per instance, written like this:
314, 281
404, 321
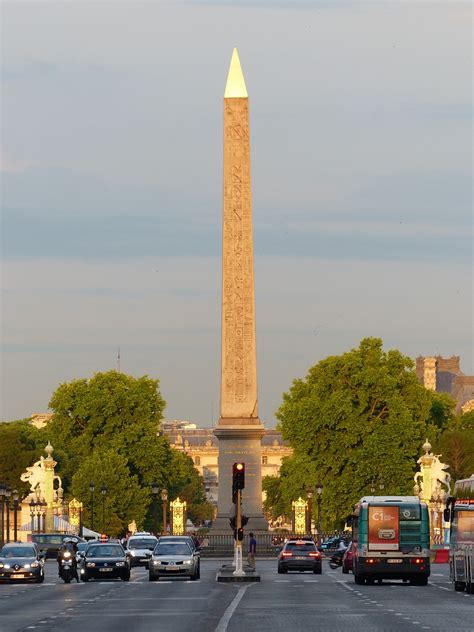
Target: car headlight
7, 565
188, 562
26, 565
120, 564
131, 553
1, 564
156, 562
90, 564
34, 564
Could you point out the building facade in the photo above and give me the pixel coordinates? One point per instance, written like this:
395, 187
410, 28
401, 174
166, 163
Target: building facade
201, 445
444, 375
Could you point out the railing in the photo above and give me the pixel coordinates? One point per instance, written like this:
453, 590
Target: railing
268, 544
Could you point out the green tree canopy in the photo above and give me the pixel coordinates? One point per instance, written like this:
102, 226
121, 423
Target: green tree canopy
116, 413
125, 499
356, 418
21, 444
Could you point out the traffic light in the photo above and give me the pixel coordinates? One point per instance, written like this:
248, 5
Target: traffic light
240, 534
238, 479
243, 520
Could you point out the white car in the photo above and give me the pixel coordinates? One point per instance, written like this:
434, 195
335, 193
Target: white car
140, 548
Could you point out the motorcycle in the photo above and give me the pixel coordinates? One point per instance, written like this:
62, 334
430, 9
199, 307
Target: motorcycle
336, 559
67, 567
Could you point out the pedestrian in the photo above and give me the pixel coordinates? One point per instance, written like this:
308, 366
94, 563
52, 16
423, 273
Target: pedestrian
252, 551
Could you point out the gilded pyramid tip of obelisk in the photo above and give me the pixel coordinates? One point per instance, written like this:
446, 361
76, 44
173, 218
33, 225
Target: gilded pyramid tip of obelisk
235, 87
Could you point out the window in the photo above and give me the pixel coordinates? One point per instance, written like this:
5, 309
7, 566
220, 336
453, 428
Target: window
264, 460
197, 460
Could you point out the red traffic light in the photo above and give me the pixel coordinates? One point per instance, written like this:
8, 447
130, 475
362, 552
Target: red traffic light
239, 466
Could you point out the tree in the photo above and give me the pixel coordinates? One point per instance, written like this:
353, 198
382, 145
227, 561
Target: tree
124, 501
116, 412
356, 418
456, 446
21, 444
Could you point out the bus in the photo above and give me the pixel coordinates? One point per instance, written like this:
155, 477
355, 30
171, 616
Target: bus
391, 540
460, 513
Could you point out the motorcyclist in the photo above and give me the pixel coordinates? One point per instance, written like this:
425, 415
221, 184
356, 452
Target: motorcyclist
337, 556
68, 550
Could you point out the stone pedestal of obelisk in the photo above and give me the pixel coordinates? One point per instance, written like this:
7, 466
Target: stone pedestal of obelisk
239, 429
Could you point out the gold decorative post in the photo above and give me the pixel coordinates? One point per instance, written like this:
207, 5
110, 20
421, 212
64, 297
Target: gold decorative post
300, 508
178, 516
75, 510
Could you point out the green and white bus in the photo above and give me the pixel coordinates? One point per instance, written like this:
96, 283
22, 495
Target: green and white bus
391, 540
460, 513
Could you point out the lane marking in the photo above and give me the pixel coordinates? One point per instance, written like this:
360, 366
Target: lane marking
226, 617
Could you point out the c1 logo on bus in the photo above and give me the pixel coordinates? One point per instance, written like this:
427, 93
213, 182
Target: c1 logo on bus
380, 516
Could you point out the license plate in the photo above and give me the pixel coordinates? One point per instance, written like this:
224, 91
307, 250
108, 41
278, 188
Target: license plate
106, 570
394, 560
172, 568
17, 576
299, 557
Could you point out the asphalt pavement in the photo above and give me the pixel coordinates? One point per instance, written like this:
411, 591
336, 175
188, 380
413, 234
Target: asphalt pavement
296, 601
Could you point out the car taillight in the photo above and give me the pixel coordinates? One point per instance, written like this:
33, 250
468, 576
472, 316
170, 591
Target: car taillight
315, 554
287, 554
417, 560
371, 560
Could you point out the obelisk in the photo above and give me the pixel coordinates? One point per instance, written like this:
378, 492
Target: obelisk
239, 429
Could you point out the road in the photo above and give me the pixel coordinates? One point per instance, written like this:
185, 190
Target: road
301, 601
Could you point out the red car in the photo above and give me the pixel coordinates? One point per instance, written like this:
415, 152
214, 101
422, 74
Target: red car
347, 559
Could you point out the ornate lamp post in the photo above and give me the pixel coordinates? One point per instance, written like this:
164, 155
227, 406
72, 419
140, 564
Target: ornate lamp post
309, 495
381, 485
164, 500
7, 503
92, 490
372, 487
2, 515
103, 491
32, 515
319, 491
155, 491
15, 514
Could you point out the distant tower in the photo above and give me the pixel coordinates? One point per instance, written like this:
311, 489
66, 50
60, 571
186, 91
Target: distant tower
239, 429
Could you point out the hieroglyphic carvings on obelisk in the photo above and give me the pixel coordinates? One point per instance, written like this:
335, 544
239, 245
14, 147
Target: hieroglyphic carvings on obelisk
238, 361
239, 430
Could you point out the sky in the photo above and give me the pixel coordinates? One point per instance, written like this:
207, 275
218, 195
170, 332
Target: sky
111, 181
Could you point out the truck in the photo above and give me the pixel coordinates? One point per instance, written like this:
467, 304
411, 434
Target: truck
391, 539
459, 513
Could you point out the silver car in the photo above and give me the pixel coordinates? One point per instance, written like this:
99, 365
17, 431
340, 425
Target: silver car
173, 559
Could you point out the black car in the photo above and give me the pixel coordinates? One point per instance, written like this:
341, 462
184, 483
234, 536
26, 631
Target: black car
300, 555
21, 561
105, 560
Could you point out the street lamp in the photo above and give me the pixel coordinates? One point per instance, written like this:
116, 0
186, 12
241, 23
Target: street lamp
155, 490
32, 515
92, 490
319, 491
7, 502
381, 484
2, 498
309, 494
372, 487
164, 500
103, 491
15, 514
